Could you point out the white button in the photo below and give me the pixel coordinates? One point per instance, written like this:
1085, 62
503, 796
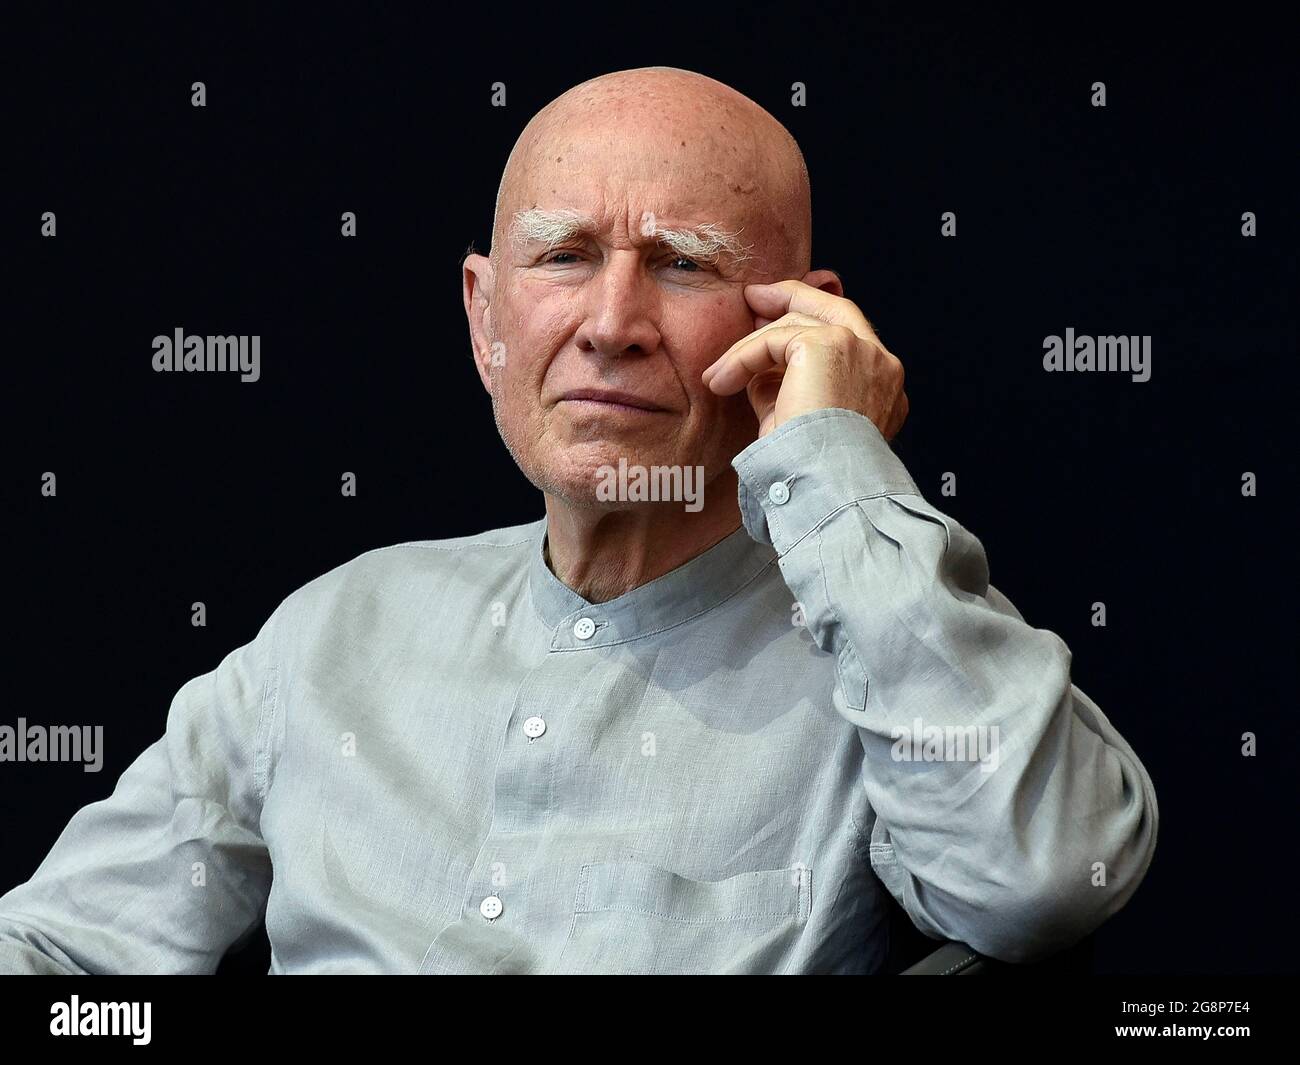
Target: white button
778, 493
534, 727
490, 907
584, 629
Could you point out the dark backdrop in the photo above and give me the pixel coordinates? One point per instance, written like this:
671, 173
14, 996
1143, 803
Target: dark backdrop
175, 488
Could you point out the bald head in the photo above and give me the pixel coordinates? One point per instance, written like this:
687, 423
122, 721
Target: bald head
713, 149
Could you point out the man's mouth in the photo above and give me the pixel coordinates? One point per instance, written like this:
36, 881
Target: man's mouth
611, 399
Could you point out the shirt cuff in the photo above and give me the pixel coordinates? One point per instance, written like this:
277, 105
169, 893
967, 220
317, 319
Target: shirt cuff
800, 474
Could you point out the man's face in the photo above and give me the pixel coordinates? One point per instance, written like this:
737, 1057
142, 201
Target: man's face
600, 338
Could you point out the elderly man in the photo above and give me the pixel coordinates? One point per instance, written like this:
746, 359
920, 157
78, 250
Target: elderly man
706, 715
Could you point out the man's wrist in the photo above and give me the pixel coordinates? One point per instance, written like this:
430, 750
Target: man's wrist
794, 478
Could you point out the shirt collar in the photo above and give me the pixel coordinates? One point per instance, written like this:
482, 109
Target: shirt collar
693, 588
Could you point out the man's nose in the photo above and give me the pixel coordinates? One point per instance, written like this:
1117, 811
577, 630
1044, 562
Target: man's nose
620, 302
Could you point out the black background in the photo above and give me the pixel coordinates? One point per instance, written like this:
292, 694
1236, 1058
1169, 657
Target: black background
1126, 219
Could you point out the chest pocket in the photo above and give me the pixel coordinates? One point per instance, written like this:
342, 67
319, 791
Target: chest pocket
630, 917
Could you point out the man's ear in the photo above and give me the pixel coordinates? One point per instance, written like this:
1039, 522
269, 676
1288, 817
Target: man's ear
477, 281
826, 280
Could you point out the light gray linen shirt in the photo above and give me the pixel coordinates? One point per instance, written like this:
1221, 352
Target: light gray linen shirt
438, 758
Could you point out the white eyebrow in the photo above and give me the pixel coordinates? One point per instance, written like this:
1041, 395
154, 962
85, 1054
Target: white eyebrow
707, 242
537, 224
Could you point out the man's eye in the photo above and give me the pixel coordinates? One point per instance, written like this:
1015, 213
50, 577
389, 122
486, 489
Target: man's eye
678, 262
